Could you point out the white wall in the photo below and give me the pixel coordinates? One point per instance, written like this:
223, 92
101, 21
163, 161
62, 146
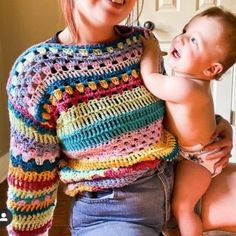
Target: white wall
23, 23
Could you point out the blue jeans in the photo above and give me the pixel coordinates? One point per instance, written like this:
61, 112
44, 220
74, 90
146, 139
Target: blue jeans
139, 209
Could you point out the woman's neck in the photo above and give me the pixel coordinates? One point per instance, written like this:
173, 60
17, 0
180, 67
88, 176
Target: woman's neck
86, 35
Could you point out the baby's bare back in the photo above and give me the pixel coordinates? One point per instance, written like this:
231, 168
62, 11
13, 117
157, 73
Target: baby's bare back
193, 122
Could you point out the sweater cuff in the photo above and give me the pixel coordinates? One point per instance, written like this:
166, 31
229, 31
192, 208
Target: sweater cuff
37, 232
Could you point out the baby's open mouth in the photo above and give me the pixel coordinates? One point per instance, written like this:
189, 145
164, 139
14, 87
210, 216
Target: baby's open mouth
175, 53
118, 1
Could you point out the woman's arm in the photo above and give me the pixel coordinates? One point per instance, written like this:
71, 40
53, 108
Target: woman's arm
218, 210
34, 155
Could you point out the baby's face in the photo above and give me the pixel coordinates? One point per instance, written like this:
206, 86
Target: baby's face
200, 45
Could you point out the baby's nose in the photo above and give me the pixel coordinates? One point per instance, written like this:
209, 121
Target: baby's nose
180, 39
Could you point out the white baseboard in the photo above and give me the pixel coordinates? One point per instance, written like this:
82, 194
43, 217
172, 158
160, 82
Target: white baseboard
4, 161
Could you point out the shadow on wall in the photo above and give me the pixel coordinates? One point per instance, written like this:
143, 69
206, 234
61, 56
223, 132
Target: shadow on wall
22, 24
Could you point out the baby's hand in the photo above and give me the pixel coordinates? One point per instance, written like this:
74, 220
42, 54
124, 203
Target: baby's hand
150, 41
151, 58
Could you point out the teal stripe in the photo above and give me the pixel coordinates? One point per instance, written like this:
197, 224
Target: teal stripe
105, 130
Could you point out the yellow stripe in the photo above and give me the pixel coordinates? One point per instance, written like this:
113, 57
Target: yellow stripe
32, 176
32, 222
74, 191
35, 193
31, 207
85, 114
154, 152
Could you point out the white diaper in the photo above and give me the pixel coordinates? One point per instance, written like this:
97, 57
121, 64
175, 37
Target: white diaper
198, 155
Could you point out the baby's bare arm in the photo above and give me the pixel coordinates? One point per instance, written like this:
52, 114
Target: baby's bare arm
151, 58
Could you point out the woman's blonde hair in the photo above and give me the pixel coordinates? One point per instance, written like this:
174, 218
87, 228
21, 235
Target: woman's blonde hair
67, 11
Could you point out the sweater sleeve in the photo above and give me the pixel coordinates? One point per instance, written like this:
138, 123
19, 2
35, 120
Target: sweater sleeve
34, 151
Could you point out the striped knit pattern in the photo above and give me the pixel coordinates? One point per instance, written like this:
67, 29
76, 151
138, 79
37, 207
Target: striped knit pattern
82, 115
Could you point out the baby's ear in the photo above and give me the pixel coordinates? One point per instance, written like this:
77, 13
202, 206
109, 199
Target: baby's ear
213, 70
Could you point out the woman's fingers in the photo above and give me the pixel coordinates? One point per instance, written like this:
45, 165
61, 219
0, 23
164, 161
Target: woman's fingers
222, 153
223, 162
221, 143
215, 134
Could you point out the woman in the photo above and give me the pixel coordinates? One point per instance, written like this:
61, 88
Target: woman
81, 94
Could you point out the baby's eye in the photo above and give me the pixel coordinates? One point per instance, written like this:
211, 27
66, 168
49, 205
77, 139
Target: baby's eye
193, 40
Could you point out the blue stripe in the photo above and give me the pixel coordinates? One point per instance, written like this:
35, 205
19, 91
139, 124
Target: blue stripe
105, 130
174, 154
31, 164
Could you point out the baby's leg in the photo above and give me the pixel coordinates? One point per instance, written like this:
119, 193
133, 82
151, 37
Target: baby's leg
191, 182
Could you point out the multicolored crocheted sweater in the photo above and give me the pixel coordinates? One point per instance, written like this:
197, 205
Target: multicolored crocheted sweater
80, 114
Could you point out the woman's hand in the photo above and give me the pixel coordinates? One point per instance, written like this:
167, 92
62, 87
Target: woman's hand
225, 143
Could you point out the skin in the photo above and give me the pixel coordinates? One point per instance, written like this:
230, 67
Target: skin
218, 203
93, 16
194, 47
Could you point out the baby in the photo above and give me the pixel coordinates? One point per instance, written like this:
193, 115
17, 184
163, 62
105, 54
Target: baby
202, 52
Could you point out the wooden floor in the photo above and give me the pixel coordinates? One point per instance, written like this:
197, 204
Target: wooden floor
61, 216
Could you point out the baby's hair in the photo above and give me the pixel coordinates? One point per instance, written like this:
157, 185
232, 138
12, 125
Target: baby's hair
228, 21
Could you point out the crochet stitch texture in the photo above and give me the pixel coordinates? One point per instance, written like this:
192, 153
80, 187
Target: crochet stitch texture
80, 114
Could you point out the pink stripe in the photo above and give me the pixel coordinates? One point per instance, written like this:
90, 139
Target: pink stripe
19, 149
123, 145
121, 172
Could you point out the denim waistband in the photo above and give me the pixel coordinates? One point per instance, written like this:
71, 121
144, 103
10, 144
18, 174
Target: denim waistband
95, 194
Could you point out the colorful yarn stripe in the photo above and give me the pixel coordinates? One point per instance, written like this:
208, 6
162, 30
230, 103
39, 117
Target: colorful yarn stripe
72, 175
142, 139
107, 107
156, 151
